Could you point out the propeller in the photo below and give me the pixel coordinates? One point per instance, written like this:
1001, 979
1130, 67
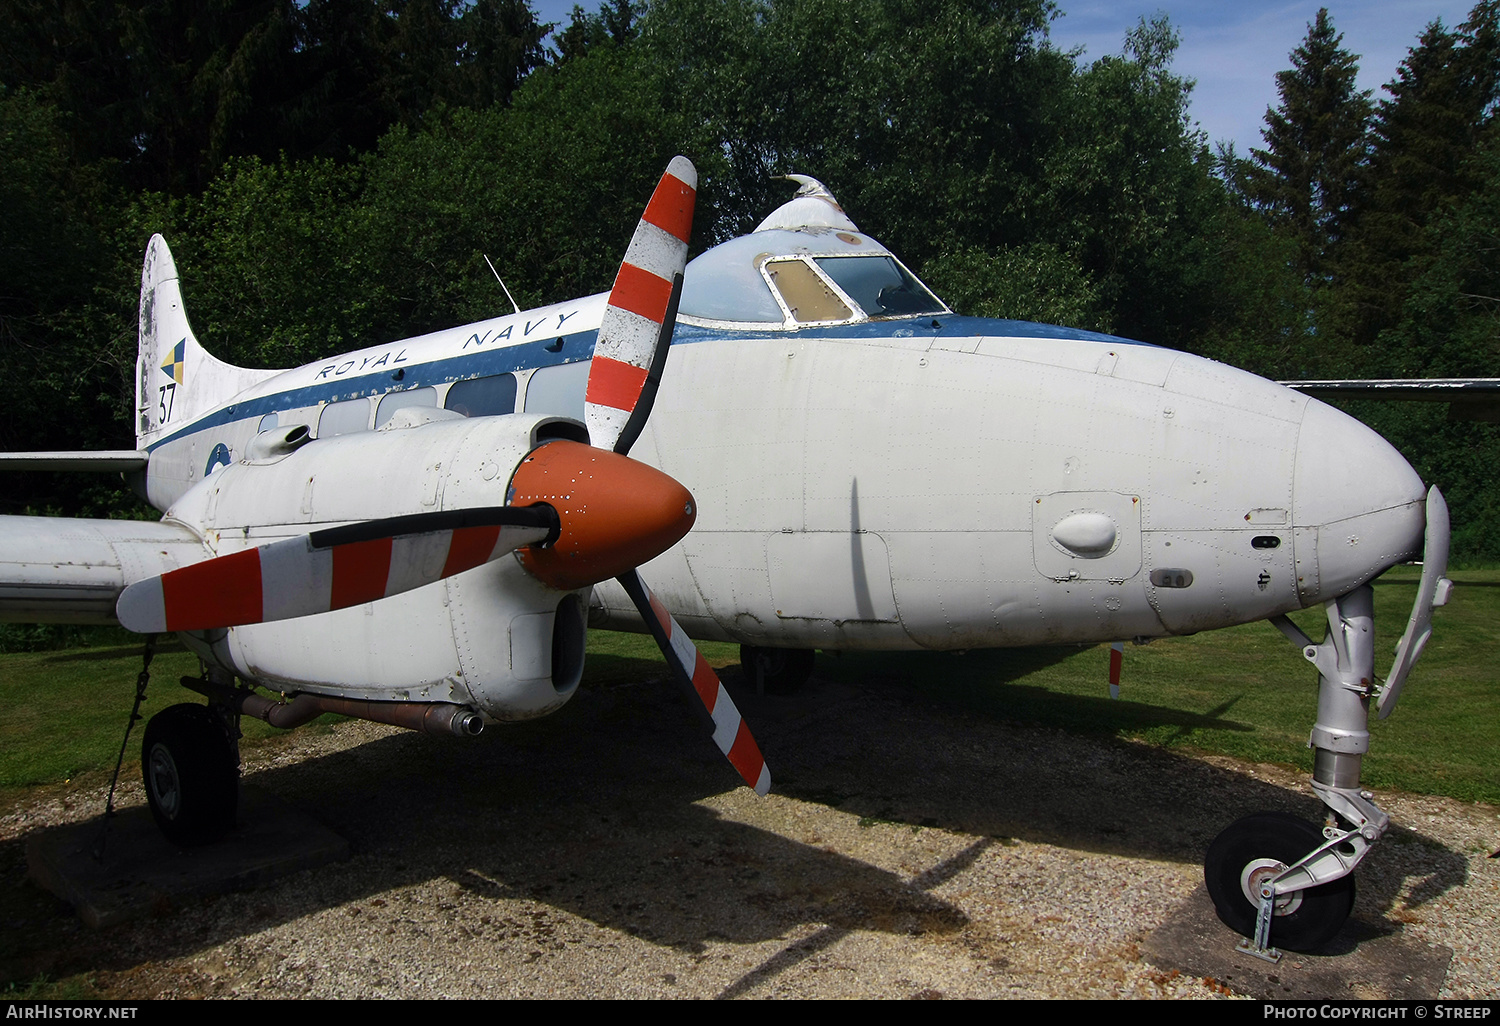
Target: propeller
637, 325
730, 732
634, 336
576, 514
330, 569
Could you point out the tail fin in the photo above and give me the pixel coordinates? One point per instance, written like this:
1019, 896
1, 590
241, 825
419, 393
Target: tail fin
176, 380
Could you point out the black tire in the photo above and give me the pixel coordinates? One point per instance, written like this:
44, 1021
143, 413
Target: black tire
192, 774
782, 670
1304, 920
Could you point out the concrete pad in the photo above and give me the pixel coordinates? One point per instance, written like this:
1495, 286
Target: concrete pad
143, 873
1364, 962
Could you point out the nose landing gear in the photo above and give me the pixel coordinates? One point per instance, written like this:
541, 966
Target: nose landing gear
1252, 854
1273, 876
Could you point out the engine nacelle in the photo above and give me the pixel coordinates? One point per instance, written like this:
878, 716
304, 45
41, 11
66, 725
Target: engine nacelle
494, 637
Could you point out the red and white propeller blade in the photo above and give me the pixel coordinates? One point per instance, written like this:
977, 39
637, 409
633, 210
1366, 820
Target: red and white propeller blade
331, 569
730, 731
637, 324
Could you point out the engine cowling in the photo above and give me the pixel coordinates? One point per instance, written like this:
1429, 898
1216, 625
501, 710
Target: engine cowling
495, 637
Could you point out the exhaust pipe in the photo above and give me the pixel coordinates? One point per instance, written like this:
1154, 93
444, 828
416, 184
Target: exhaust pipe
442, 718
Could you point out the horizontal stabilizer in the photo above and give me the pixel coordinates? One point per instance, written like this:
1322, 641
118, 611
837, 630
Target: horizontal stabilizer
103, 461
331, 569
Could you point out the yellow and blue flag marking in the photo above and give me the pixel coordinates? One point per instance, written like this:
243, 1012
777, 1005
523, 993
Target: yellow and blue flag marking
173, 367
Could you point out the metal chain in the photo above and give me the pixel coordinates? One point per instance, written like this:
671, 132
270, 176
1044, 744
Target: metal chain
141, 680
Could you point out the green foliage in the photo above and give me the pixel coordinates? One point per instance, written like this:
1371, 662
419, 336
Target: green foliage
550, 189
68, 356
1128, 190
1450, 322
1449, 326
616, 23
1306, 178
1030, 283
925, 136
172, 91
1442, 99
277, 264
48, 637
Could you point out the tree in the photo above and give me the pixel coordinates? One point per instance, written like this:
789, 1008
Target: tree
616, 23
1306, 178
170, 90
1441, 101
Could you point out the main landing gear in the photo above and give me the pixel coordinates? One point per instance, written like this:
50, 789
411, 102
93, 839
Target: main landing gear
191, 765
1275, 877
780, 671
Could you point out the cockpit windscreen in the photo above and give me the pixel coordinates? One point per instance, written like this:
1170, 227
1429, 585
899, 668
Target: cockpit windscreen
882, 287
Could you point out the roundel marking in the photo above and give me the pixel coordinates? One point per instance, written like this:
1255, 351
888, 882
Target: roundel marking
220, 457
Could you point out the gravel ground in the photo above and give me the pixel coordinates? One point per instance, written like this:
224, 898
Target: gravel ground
908, 851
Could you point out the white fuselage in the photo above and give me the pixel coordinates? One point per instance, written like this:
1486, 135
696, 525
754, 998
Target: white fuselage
887, 485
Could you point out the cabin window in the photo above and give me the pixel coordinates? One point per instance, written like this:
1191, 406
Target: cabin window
558, 390
483, 397
806, 295
881, 286
344, 418
393, 401
267, 422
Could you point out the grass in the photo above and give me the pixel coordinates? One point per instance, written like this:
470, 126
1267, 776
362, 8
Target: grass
63, 713
1248, 693
1244, 692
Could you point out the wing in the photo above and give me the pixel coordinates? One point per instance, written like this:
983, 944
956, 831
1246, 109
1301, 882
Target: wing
1468, 398
57, 570
104, 461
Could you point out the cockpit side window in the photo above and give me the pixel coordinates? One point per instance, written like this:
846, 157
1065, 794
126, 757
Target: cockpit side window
806, 295
880, 285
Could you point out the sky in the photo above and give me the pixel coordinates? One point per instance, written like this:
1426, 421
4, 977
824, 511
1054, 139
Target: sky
1232, 48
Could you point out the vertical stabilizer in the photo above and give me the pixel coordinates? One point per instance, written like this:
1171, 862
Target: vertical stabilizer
176, 380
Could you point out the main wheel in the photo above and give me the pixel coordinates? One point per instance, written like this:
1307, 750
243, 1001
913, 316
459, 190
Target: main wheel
192, 774
782, 670
1263, 845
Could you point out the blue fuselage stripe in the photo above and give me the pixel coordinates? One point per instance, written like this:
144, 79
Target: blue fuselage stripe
580, 346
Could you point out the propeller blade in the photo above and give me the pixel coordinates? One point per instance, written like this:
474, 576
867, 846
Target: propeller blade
637, 325
1116, 662
329, 569
730, 731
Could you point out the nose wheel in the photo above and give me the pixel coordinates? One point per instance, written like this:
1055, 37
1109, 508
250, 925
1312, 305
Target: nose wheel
1256, 850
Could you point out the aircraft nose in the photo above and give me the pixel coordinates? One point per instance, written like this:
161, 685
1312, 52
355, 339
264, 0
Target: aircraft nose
614, 513
1358, 507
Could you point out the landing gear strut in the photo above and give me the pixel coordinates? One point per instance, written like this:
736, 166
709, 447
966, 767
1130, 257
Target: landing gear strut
191, 767
780, 671
1275, 877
